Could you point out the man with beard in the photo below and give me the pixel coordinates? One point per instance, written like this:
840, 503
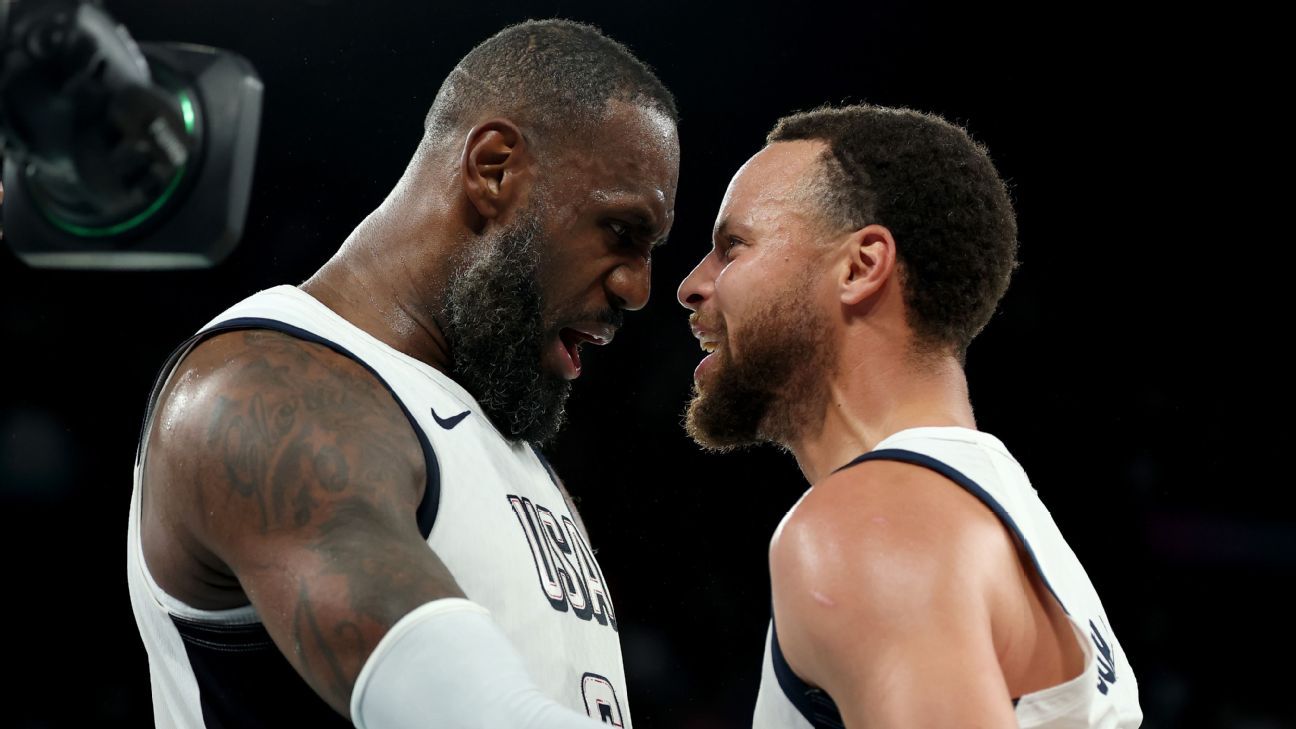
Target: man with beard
339, 515
919, 582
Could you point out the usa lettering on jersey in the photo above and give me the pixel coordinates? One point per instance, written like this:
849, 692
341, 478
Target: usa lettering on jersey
569, 576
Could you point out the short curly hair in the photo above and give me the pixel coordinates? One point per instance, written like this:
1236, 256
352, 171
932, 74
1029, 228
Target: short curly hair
938, 193
556, 77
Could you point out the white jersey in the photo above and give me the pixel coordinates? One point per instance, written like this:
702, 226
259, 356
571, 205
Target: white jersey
492, 512
1104, 695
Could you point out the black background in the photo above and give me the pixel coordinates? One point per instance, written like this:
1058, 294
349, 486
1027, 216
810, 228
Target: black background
1135, 367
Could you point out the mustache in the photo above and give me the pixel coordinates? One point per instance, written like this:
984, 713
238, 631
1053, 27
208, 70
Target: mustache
609, 316
613, 317
717, 326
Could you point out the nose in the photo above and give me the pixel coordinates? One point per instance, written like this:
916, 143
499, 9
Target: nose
695, 288
630, 284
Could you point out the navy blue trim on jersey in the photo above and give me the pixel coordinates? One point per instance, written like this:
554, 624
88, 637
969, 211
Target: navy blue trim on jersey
172, 360
958, 477
815, 704
549, 469
427, 508
244, 682
243, 678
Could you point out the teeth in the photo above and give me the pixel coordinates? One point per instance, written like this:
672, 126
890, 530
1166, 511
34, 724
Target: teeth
708, 347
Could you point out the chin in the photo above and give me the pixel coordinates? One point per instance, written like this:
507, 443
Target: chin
718, 425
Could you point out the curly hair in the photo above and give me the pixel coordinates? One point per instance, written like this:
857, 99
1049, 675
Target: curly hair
938, 193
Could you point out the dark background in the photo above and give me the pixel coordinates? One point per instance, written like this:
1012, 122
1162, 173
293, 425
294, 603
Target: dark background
1135, 367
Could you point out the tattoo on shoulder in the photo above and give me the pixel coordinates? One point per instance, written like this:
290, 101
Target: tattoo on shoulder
302, 426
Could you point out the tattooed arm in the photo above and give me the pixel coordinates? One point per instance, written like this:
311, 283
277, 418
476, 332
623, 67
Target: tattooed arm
282, 473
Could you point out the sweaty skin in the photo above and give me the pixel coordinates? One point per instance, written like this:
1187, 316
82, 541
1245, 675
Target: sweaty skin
935, 592
282, 474
293, 485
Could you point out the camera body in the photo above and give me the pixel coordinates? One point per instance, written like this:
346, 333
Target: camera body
121, 156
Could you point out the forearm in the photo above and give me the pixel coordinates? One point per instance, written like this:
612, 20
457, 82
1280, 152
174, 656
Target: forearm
447, 665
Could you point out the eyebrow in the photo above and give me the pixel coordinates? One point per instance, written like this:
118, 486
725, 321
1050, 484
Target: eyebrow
647, 230
720, 227
640, 221
636, 212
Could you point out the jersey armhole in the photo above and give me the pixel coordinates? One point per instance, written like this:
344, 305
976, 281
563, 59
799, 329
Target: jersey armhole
428, 506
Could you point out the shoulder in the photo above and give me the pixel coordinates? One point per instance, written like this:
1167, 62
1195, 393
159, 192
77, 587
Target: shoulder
264, 358
299, 379
882, 549
275, 419
881, 511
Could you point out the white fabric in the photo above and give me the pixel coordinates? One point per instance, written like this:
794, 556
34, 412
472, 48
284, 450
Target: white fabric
503, 529
446, 665
1076, 704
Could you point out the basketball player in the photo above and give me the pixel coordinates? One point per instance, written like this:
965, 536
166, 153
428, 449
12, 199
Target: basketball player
919, 582
339, 516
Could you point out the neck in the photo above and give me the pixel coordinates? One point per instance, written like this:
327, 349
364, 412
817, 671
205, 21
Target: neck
875, 398
386, 277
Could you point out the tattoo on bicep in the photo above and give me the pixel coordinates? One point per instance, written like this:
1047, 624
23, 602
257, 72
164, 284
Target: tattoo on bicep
320, 649
290, 476
331, 468
328, 468
242, 444
308, 432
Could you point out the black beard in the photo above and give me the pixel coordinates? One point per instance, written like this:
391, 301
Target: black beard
494, 324
780, 382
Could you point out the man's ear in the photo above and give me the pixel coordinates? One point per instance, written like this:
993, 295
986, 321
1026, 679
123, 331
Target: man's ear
869, 262
496, 168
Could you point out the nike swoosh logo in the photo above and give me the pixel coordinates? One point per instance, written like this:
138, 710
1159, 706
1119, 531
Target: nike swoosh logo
451, 421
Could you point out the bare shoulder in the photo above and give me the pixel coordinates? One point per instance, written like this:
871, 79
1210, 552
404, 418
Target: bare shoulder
282, 474
258, 431
881, 511
880, 550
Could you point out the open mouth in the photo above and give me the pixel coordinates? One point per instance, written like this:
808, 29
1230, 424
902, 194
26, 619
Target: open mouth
709, 341
572, 340
569, 342
707, 361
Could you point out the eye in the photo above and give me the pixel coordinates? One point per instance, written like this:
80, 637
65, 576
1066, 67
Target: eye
730, 248
629, 238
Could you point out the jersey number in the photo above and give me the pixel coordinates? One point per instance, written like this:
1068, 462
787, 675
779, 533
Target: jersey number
601, 700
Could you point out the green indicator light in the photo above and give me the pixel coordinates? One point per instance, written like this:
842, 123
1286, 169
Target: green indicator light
187, 108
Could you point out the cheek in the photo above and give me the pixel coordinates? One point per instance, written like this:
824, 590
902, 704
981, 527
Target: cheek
734, 289
751, 271
732, 275
571, 268
746, 286
554, 278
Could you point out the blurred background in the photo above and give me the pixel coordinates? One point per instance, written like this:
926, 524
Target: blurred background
1134, 368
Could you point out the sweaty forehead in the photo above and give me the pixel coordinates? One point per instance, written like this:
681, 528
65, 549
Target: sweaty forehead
634, 151
774, 179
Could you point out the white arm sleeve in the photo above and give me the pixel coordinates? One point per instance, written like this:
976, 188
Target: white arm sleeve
447, 665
